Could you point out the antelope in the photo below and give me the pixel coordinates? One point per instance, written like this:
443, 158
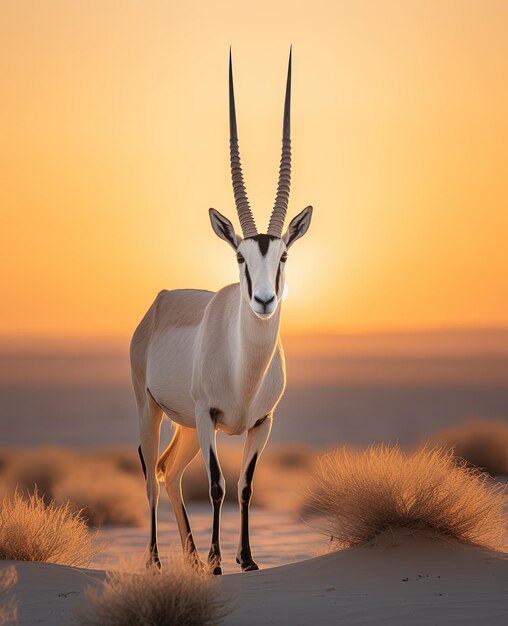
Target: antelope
214, 360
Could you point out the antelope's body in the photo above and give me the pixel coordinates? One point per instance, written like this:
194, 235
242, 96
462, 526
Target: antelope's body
214, 361
197, 347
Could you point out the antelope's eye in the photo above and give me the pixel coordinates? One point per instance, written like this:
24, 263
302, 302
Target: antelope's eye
284, 257
240, 258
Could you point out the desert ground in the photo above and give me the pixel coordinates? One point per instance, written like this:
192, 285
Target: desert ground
77, 442
394, 575
407, 580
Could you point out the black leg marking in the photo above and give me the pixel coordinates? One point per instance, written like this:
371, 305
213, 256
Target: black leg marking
154, 551
214, 415
190, 545
246, 560
143, 466
217, 496
259, 422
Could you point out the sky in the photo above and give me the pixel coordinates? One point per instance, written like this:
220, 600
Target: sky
114, 144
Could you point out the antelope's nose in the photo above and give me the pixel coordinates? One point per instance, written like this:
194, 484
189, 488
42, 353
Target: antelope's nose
265, 303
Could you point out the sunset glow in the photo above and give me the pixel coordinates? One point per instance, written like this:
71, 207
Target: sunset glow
114, 145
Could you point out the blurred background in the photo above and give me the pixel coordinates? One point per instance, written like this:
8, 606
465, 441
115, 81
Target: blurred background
114, 143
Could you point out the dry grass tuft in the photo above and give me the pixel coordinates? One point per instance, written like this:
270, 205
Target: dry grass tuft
179, 595
483, 444
104, 495
107, 485
30, 530
39, 468
8, 607
360, 495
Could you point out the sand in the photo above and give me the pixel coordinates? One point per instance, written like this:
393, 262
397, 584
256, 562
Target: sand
409, 580
416, 581
277, 538
50, 594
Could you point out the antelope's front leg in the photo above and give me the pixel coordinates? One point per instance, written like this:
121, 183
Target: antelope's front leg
207, 442
254, 445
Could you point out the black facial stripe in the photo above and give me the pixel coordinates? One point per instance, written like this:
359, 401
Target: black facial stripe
263, 242
249, 281
277, 279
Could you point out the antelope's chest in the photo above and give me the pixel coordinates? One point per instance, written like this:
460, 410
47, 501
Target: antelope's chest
239, 407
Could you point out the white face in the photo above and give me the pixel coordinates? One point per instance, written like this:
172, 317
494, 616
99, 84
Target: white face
262, 261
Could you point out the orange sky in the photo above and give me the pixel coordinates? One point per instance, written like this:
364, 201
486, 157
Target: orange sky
114, 143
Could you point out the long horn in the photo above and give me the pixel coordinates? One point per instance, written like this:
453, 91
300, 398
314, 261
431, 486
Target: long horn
242, 202
282, 198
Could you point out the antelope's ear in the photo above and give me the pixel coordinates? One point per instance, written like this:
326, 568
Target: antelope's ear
224, 229
298, 226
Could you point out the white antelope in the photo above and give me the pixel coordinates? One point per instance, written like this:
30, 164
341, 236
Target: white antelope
215, 360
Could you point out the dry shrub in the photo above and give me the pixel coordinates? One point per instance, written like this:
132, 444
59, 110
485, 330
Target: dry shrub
289, 457
179, 595
108, 487
8, 608
30, 530
39, 468
360, 495
101, 484
482, 444
282, 476
124, 458
104, 495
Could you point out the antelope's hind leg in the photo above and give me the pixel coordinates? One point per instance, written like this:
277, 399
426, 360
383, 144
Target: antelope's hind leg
254, 446
150, 419
173, 462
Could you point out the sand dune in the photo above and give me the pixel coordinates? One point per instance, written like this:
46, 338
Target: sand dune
417, 581
407, 580
50, 594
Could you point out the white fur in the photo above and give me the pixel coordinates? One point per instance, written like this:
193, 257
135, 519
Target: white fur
211, 361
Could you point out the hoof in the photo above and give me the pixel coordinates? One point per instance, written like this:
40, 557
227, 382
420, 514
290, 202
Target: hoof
217, 570
196, 563
153, 563
248, 566
199, 565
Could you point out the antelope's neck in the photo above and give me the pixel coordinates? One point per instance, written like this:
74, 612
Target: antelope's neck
257, 340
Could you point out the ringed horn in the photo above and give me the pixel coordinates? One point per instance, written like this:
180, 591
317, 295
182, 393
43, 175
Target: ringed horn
282, 198
242, 202
280, 208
